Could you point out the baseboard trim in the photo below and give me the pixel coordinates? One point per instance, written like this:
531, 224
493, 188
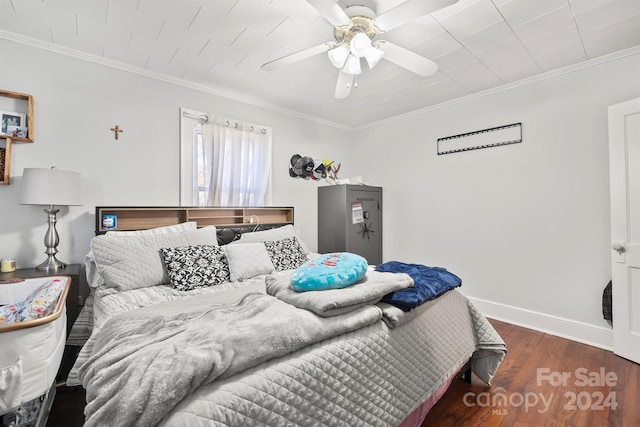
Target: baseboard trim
585, 333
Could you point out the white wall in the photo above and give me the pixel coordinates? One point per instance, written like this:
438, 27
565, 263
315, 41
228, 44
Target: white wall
77, 102
526, 226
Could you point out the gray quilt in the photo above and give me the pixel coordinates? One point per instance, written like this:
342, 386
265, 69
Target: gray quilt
331, 302
373, 376
146, 361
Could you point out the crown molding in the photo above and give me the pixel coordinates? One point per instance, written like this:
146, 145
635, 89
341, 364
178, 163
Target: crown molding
247, 99
225, 93
526, 81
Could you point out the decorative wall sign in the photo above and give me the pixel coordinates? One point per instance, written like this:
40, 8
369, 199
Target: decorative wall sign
492, 137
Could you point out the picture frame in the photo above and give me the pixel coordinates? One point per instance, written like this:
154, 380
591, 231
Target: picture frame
12, 119
17, 131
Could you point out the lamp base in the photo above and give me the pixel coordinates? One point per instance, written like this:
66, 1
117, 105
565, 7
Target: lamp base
51, 243
51, 264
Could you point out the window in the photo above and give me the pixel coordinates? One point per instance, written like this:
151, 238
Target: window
200, 187
224, 162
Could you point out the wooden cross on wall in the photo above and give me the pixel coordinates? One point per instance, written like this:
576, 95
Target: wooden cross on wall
116, 130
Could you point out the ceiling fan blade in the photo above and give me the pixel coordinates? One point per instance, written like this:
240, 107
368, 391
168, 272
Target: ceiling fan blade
343, 87
298, 56
408, 11
407, 59
331, 12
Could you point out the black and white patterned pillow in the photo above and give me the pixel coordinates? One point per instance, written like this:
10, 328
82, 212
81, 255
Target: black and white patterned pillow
286, 254
191, 267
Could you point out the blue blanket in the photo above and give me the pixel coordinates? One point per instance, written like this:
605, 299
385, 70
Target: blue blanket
429, 283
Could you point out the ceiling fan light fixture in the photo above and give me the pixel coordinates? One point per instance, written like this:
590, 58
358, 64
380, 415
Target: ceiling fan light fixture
352, 65
373, 56
338, 55
359, 44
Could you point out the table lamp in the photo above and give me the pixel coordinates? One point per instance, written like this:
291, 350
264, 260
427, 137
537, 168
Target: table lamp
51, 188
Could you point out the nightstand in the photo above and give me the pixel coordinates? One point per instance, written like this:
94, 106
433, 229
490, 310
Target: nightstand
72, 270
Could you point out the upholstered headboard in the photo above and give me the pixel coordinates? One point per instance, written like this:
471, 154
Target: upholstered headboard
230, 222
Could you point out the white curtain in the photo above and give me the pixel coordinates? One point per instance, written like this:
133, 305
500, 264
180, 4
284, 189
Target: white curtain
237, 162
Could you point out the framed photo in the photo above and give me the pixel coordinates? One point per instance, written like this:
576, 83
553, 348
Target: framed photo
17, 131
12, 120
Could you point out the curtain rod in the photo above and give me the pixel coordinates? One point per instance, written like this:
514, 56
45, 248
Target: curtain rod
251, 128
205, 119
202, 117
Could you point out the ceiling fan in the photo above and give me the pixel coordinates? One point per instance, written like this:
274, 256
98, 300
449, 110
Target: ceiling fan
355, 27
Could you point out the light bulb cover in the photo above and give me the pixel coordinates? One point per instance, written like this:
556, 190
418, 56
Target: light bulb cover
359, 44
373, 56
338, 55
352, 66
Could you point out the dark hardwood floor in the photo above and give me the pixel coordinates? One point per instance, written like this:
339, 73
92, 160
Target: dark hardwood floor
543, 381
67, 409
547, 381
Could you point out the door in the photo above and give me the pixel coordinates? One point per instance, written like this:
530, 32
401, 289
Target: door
365, 222
624, 170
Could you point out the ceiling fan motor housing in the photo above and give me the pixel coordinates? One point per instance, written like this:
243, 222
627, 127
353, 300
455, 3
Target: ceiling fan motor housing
361, 22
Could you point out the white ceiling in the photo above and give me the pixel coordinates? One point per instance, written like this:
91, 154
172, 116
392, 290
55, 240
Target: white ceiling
221, 44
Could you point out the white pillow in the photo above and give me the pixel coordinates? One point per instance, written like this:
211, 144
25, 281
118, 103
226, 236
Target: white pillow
133, 262
248, 260
273, 234
177, 228
94, 279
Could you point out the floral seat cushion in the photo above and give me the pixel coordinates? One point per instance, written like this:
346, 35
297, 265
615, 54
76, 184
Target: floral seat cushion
40, 303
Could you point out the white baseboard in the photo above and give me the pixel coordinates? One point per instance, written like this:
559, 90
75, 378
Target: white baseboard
585, 333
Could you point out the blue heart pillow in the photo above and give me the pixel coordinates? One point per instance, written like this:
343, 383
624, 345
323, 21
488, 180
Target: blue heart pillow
329, 271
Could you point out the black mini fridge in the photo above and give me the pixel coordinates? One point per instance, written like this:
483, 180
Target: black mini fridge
350, 220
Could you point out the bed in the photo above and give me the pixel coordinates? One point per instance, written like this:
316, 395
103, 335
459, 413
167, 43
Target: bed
164, 350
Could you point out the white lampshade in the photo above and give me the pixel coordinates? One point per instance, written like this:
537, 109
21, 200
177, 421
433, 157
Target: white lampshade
373, 56
352, 66
338, 55
42, 186
359, 44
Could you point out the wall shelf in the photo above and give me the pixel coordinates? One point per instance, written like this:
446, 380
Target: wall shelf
13, 104
142, 218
